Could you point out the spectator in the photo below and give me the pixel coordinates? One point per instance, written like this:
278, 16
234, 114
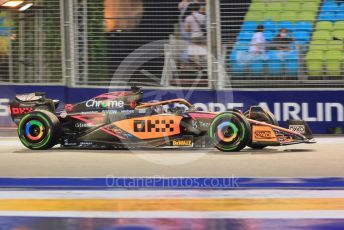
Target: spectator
184, 9
257, 45
195, 24
283, 40
183, 6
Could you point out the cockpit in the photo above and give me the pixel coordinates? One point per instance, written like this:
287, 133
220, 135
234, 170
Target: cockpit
174, 106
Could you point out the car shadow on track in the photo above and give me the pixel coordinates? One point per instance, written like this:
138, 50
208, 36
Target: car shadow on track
266, 151
246, 151
114, 151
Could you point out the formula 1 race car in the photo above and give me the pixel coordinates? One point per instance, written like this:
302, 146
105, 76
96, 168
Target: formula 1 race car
121, 120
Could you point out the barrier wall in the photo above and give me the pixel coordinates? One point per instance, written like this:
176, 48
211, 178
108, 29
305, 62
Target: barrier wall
323, 109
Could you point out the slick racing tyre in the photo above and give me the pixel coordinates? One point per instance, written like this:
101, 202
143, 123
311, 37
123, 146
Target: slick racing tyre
39, 130
265, 116
230, 132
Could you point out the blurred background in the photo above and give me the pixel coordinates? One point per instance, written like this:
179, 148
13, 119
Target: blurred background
285, 55
271, 51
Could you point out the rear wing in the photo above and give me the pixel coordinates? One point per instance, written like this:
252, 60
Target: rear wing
25, 103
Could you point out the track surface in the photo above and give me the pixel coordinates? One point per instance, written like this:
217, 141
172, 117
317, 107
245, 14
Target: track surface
171, 209
324, 159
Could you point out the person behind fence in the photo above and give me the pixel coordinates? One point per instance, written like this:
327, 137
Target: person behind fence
257, 47
183, 5
283, 40
184, 9
195, 24
258, 42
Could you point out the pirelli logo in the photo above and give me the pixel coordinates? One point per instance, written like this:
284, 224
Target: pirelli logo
153, 126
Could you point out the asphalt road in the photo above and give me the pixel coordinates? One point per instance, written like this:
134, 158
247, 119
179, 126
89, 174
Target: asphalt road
323, 159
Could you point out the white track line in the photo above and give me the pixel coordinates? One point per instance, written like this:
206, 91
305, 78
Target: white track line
328, 214
160, 194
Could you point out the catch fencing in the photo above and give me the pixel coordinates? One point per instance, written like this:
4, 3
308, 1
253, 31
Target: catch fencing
102, 43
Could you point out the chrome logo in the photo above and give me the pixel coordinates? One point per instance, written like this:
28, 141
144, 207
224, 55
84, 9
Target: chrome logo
227, 131
104, 104
34, 130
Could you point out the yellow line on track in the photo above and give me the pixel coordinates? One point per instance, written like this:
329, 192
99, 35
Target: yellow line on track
171, 204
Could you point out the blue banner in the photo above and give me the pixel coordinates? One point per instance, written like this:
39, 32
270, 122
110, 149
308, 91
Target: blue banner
173, 183
323, 110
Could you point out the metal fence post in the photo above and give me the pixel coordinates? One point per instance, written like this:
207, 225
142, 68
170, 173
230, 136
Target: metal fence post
67, 35
21, 48
10, 62
38, 68
213, 42
81, 53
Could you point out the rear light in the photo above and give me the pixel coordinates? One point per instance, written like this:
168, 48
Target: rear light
68, 107
133, 104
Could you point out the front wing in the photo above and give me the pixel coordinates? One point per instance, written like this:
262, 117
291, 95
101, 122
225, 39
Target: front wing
272, 135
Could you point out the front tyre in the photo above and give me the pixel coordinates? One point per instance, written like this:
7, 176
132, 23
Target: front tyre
39, 130
230, 132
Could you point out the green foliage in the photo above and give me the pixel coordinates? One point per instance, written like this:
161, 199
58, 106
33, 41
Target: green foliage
40, 55
97, 44
42, 50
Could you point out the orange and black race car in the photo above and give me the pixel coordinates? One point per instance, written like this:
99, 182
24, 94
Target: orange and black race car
121, 120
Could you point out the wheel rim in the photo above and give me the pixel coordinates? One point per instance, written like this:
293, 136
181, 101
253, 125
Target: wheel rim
227, 132
34, 130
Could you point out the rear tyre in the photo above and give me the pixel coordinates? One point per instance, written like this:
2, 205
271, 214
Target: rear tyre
39, 130
230, 132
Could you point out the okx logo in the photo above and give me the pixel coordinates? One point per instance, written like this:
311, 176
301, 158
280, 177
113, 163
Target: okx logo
153, 126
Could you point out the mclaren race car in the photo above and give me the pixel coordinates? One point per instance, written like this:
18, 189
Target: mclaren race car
121, 120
